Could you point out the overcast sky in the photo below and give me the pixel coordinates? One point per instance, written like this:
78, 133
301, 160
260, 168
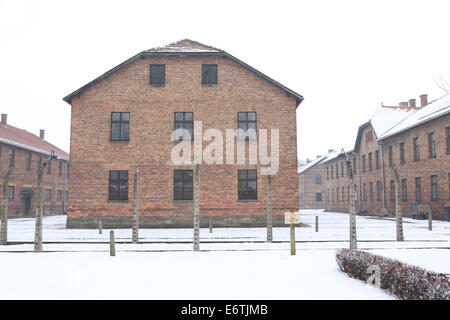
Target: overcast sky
344, 57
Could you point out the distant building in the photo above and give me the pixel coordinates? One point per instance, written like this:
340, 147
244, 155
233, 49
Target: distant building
416, 140
311, 182
25, 152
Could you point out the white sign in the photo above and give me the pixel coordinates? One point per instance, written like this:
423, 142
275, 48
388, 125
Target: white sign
292, 217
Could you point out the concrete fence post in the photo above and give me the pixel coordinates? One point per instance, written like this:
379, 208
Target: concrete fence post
269, 208
398, 206
292, 240
196, 210
135, 210
39, 211
100, 227
210, 225
4, 214
352, 209
430, 218
317, 223
112, 244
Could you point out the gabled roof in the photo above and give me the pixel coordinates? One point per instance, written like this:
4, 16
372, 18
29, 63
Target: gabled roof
311, 164
382, 120
183, 47
25, 140
431, 111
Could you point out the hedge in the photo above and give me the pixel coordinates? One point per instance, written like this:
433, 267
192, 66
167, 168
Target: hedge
405, 281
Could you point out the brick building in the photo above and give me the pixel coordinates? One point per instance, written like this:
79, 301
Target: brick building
336, 182
420, 147
25, 152
311, 179
413, 139
124, 120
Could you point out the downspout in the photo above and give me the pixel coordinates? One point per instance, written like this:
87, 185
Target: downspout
325, 193
64, 187
383, 178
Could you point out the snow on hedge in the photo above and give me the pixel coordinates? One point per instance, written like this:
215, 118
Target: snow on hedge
405, 281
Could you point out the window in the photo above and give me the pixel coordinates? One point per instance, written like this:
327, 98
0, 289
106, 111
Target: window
318, 179
12, 154
120, 126
247, 188
209, 74
66, 195
377, 159
337, 194
328, 176
28, 161
416, 152
318, 196
402, 153
404, 191
434, 186
342, 169
447, 133
391, 155
49, 166
354, 167
343, 194
418, 185
58, 195
118, 185
371, 191
332, 175
332, 195
370, 162
157, 74
184, 126
348, 193
39, 163
364, 192
183, 185
247, 125
60, 166
11, 190
337, 170
379, 190
364, 163
431, 146
392, 189
47, 195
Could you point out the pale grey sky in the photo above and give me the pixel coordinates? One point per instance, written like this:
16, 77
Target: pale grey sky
344, 57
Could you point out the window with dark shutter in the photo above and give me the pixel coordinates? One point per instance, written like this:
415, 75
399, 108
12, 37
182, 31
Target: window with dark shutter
157, 74
11, 157
28, 162
431, 145
118, 185
416, 149
247, 125
182, 185
120, 126
184, 121
247, 185
209, 74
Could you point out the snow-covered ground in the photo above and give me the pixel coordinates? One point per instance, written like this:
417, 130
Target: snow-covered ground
234, 263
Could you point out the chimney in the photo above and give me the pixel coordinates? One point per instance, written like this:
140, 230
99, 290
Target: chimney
42, 134
403, 104
4, 119
423, 100
318, 156
307, 160
330, 150
412, 102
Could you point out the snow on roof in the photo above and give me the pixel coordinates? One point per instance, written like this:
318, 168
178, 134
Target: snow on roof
433, 110
311, 164
384, 118
333, 155
185, 45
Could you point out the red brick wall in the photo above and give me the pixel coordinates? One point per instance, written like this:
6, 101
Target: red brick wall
423, 168
23, 179
151, 124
